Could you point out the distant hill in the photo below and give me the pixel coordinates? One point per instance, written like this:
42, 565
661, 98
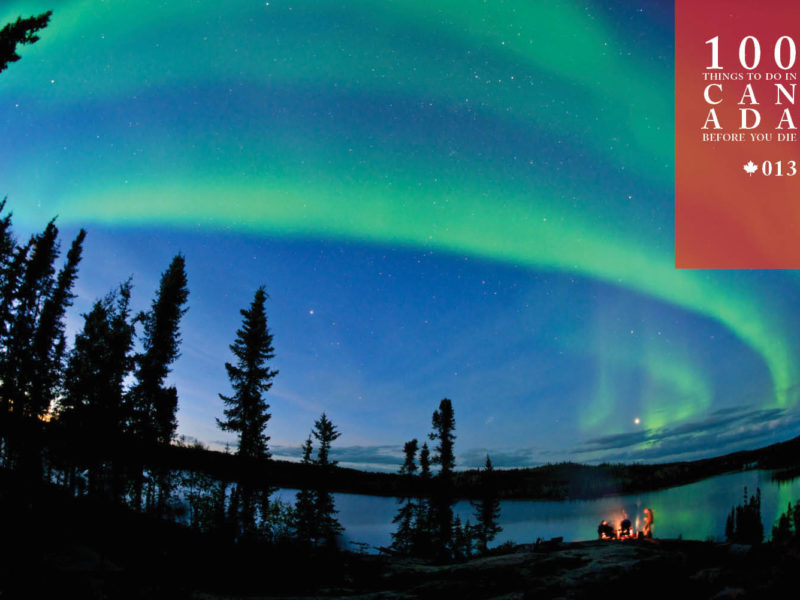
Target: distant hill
552, 482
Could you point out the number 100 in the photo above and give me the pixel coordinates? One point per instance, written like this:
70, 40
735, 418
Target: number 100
750, 46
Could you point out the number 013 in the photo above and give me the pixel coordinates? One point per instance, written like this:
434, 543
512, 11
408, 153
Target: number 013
776, 168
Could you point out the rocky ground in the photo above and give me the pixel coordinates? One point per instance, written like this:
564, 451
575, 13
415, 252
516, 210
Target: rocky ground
54, 548
631, 569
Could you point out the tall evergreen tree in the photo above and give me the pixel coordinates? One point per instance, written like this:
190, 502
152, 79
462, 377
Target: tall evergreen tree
442, 500
22, 31
403, 538
325, 433
154, 405
409, 466
744, 525
92, 403
462, 538
305, 519
12, 272
487, 510
444, 425
425, 462
25, 302
423, 518
251, 377
12, 262
49, 342
8, 243
97, 367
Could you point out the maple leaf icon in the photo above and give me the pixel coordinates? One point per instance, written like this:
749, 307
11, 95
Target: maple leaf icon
751, 168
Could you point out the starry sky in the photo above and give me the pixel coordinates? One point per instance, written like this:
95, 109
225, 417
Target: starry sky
469, 199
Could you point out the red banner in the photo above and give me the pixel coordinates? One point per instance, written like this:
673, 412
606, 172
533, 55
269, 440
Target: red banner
737, 164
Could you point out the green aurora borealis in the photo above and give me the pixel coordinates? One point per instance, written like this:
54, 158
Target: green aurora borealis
536, 135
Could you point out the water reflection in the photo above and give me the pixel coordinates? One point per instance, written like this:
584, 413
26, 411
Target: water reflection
696, 511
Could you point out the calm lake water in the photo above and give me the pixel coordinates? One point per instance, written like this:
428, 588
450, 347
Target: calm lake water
695, 511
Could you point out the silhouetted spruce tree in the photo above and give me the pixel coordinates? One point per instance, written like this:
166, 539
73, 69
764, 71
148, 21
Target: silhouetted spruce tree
49, 341
487, 510
744, 525
276, 520
8, 244
403, 537
444, 424
33, 287
151, 405
305, 521
783, 532
199, 494
12, 278
11, 263
219, 522
32, 340
22, 31
442, 501
10, 268
247, 412
425, 462
796, 521
154, 405
462, 539
422, 522
325, 433
730, 525
92, 405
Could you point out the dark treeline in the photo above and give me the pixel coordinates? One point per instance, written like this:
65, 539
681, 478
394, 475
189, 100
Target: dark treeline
98, 417
576, 481
744, 524
549, 482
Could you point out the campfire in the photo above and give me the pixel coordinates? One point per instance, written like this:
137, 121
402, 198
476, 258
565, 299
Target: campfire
622, 528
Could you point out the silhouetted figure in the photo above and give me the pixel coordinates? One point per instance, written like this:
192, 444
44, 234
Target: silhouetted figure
647, 531
625, 528
605, 531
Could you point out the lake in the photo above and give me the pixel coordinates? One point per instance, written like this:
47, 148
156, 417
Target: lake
696, 511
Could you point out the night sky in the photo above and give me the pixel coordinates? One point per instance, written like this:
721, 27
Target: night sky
469, 199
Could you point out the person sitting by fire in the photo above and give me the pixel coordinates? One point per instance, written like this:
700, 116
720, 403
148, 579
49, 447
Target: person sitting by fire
647, 530
625, 526
605, 531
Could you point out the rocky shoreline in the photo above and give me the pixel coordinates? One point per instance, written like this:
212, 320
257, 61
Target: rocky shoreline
628, 569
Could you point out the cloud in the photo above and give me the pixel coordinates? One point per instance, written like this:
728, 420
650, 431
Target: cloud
383, 458
620, 440
723, 431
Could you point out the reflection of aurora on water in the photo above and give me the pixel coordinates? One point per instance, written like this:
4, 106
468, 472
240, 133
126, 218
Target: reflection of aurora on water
693, 512
468, 130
